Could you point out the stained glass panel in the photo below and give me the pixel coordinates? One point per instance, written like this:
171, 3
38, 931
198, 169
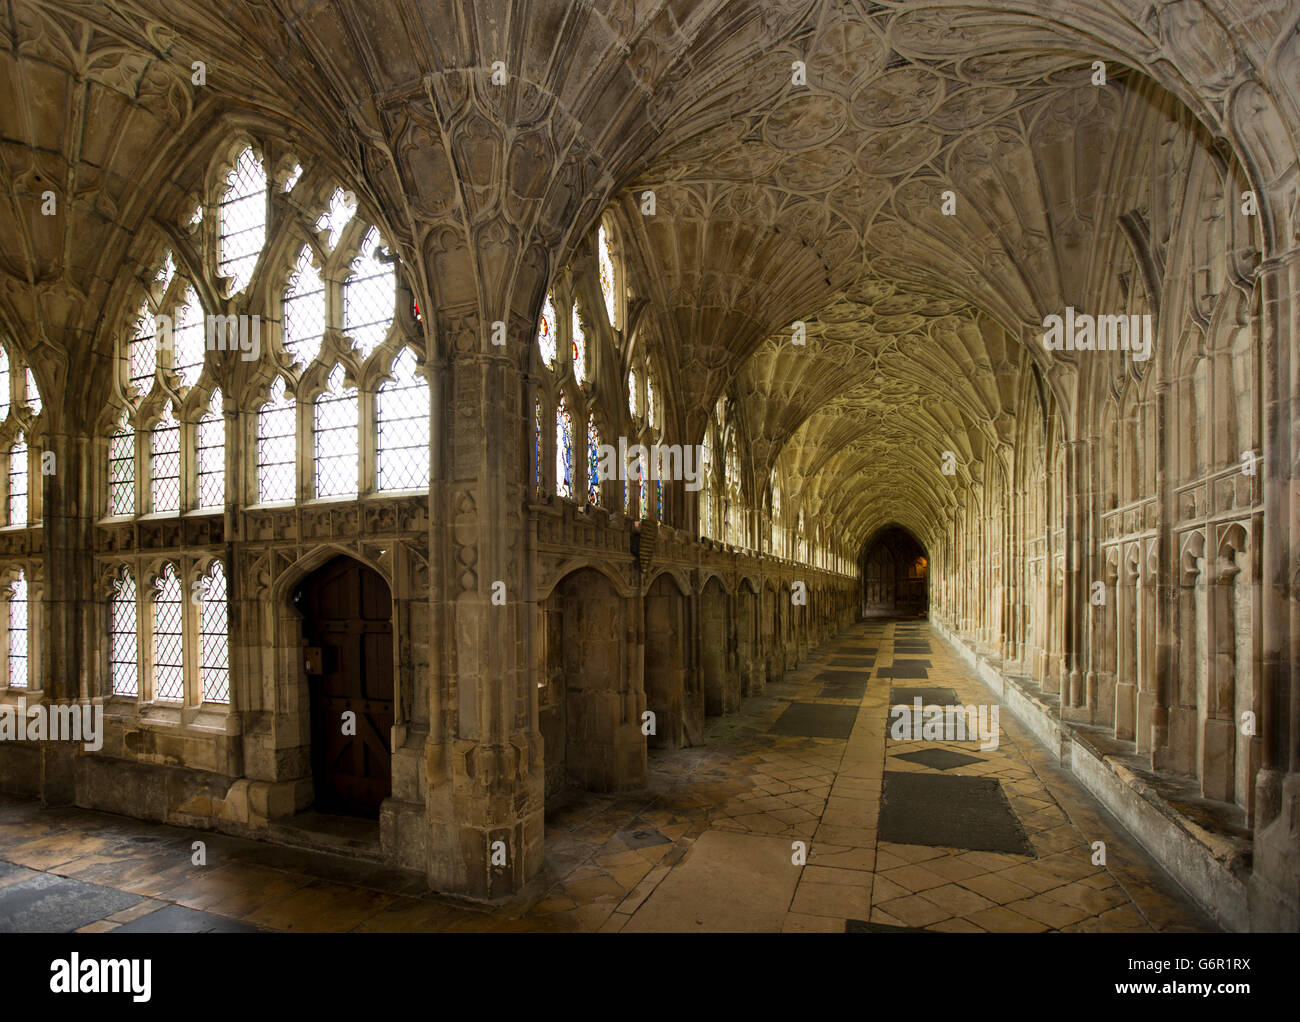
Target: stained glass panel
168, 643
276, 446
336, 438
563, 451
369, 297
606, 274
593, 460
123, 644
546, 332
642, 482
404, 428
304, 310
651, 413
241, 217
631, 393
579, 347
537, 443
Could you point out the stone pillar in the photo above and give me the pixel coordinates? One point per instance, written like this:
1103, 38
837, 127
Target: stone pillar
1275, 882
70, 614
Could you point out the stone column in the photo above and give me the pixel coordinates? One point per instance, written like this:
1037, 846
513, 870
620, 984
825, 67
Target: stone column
1275, 882
70, 611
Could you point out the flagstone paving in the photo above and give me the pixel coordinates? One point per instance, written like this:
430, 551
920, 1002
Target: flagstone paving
793, 818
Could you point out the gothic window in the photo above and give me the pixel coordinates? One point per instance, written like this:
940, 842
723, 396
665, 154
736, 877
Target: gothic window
633, 404
593, 460
643, 483
342, 208
121, 469
403, 435
142, 353
651, 412
123, 646
336, 438
659, 500
214, 643
369, 296
579, 347
188, 340
304, 310
546, 332
18, 482
276, 445
537, 443
17, 657
241, 216
608, 288
165, 463
31, 393
563, 451
168, 637
212, 455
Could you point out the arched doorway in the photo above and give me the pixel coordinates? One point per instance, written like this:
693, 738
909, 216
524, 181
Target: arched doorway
347, 627
895, 575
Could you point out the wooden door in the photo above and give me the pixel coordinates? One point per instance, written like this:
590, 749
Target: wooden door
347, 617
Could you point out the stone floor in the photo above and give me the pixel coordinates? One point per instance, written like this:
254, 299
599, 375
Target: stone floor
708, 846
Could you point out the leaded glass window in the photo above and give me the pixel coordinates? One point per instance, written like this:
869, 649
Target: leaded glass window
563, 451
32, 393
369, 297
212, 455
342, 208
4, 384
168, 641
241, 215
142, 351
593, 460
304, 310
165, 463
276, 446
188, 341
336, 438
18, 482
651, 413
214, 642
18, 632
631, 393
403, 434
121, 470
546, 332
123, 644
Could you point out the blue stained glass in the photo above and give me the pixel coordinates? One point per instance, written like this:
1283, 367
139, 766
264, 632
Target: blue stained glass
563, 451
593, 460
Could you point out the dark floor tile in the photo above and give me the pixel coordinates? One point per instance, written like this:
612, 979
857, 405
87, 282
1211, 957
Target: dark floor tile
45, 903
902, 669
942, 810
861, 926
816, 720
179, 919
928, 696
939, 759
